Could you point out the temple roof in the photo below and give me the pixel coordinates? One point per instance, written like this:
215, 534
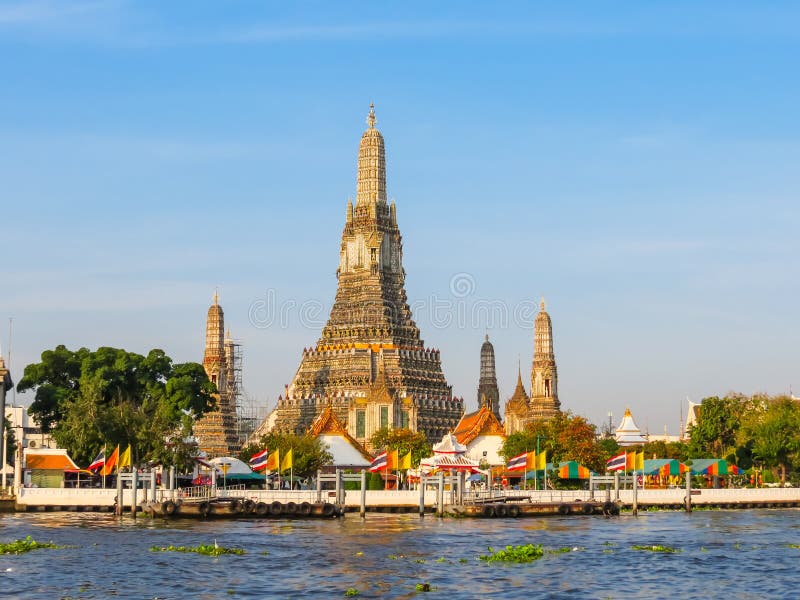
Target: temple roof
449, 445
55, 459
481, 422
328, 428
628, 433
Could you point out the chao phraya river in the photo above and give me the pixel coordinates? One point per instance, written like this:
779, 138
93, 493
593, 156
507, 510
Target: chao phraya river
735, 554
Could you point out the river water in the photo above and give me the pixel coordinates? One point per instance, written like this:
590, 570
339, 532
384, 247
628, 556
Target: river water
736, 554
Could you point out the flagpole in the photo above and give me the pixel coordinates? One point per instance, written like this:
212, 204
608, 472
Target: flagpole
104, 466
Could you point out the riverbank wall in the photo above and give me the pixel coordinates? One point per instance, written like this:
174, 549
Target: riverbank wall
103, 500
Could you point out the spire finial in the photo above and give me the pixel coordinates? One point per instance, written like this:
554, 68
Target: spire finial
541, 303
216, 296
371, 117
487, 337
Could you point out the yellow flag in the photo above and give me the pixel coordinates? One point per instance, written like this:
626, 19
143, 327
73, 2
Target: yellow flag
541, 461
125, 458
273, 462
405, 462
639, 461
286, 463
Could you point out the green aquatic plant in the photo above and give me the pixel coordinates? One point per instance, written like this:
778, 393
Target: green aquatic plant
658, 548
351, 592
207, 549
25, 545
517, 554
441, 559
463, 560
424, 587
794, 545
419, 560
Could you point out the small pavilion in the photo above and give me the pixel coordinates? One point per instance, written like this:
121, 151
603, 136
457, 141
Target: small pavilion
628, 434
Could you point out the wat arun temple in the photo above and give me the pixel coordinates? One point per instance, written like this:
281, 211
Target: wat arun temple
370, 363
370, 367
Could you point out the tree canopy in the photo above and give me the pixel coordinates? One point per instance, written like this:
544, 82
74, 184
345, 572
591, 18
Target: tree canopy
404, 441
564, 437
749, 430
108, 397
308, 452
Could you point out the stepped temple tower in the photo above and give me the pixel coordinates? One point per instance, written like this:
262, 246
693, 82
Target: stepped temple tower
543, 402
516, 408
544, 376
370, 364
488, 394
216, 431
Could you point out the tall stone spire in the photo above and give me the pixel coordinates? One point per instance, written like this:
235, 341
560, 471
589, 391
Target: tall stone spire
214, 354
370, 331
216, 430
488, 394
544, 375
371, 182
516, 415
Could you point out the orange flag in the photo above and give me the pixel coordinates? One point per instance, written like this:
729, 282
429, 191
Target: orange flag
111, 462
273, 462
392, 460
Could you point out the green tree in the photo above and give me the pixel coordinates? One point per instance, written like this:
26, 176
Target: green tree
714, 434
564, 437
11, 441
404, 441
774, 434
662, 449
308, 453
111, 397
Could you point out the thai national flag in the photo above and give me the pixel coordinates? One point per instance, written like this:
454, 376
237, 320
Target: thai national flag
98, 462
259, 460
616, 463
379, 463
518, 463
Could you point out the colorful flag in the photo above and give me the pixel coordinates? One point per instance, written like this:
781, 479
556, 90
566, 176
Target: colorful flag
639, 463
518, 463
392, 460
98, 462
541, 461
405, 462
125, 458
379, 463
259, 460
530, 462
111, 462
286, 463
273, 461
616, 463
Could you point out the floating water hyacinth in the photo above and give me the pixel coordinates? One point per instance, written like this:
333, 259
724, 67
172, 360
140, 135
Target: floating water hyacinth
517, 554
25, 545
207, 549
658, 548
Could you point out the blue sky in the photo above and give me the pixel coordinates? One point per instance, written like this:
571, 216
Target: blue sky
635, 163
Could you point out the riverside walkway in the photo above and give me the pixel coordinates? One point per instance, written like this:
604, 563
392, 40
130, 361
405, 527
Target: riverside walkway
92, 499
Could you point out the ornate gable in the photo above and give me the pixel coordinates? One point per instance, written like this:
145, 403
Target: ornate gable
482, 422
327, 424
